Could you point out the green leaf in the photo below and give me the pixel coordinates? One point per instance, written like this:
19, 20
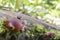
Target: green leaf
18, 3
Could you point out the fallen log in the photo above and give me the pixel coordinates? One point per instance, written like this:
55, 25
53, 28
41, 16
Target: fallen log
9, 14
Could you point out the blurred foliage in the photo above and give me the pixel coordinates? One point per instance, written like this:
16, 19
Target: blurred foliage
41, 7
48, 10
33, 32
35, 8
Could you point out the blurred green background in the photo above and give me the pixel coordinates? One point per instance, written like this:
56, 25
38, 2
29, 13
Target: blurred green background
48, 10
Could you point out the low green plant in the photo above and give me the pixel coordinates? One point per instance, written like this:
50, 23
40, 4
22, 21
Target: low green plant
33, 32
